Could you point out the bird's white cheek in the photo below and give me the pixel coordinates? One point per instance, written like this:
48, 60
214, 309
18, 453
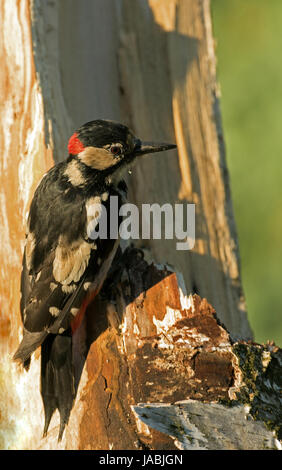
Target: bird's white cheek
98, 158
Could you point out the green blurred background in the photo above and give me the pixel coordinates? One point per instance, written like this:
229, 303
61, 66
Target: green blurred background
248, 36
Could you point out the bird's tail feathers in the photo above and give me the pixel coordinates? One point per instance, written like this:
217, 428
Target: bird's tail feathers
57, 379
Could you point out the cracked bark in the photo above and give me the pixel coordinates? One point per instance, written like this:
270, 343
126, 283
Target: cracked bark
155, 72
168, 374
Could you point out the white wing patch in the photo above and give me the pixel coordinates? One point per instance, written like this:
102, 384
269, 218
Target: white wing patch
70, 260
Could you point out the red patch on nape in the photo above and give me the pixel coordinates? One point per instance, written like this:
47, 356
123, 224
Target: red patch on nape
75, 146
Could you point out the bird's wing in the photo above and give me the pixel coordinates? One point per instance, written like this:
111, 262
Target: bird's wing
54, 288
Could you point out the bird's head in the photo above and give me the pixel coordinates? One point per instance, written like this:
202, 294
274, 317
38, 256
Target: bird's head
108, 146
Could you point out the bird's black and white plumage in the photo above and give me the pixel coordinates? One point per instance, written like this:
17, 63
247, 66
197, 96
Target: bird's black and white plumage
63, 267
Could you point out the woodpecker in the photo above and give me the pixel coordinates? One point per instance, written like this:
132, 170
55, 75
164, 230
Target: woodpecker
63, 267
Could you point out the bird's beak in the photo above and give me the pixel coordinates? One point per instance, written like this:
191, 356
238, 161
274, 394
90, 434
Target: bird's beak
141, 148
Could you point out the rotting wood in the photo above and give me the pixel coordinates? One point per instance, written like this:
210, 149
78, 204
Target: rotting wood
162, 372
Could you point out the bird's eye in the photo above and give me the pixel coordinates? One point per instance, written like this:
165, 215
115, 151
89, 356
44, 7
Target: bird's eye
116, 150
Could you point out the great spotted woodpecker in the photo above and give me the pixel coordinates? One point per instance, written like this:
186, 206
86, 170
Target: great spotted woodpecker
63, 267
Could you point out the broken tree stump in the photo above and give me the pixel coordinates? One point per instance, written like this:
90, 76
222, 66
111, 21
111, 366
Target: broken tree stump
159, 371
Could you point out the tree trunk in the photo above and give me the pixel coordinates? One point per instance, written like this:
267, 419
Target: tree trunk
151, 65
